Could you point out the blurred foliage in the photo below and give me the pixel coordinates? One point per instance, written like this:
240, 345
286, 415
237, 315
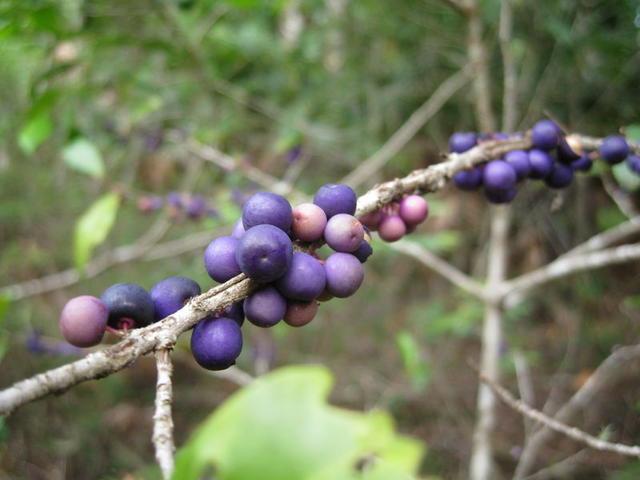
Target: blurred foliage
106, 98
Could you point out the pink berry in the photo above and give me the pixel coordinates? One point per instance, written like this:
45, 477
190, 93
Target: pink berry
414, 209
371, 220
309, 221
392, 228
83, 321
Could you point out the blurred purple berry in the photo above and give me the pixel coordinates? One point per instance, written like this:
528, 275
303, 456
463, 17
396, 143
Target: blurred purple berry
462, 141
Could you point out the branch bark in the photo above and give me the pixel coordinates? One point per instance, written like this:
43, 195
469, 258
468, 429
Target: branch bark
162, 419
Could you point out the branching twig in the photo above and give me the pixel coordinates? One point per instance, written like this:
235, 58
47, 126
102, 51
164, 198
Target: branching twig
162, 419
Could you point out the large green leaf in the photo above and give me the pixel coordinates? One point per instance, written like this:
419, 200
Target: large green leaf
82, 155
93, 227
281, 427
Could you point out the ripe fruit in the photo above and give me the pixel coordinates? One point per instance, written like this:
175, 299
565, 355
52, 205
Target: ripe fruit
633, 161
541, 163
584, 163
363, 252
344, 274
233, 311
336, 198
344, 233
304, 280
299, 314
265, 308
267, 208
469, 179
220, 259
545, 135
566, 154
129, 305
561, 176
264, 253
462, 141
413, 209
238, 229
500, 196
309, 221
499, 175
170, 295
519, 160
392, 228
83, 321
216, 343
614, 149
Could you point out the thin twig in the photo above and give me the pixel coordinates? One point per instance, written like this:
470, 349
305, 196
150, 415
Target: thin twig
510, 95
608, 237
162, 418
234, 375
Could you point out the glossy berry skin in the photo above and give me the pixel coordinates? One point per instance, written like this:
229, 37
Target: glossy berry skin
238, 229
413, 209
234, 311
583, 164
128, 304
633, 161
335, 198
265, 308
363, 252
344, 233
545, 135
392, 228
264, 253
309, 221
216, 343
462, 141
614, 149
304, 280
541, 163
468, 180
561, 176
344, 274
83, 321
299, 314
220, 258
500, 196
171, 294
266, 208
519, 160
499, 175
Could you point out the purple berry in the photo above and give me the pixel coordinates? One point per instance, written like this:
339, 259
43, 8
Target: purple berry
392, 228
264, 253
469, 179
216, 343
343, 232
336, 198
541, 163
267, 208
584, 163
462, 141
299, 314
499, 175
545, 135
413, 209
614, 149
364, 251
309, 221
129, 305
238, 229
265, 307
220, 259
233, 311
561, 176
519, 160
83, 321
566, 154
171, 294
196, 206
500, 196
304, 280
633, 161
148, 204
344, 274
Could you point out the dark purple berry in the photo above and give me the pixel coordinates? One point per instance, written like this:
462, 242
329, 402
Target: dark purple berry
583, 164
614, 149
216, 343
545, 135
499, 175
462, 141
413, 209
309, 221
238, 229
83, 321
336, 198
561, 176
541, 163
566, 154
344, 274
519, 160
299, 314
633, 161
343, 233
266, 208
363, 252
264, 253
265, 307
171, 294
500, 196
469, 179
392, 228
220, 259
129, 305
304, 280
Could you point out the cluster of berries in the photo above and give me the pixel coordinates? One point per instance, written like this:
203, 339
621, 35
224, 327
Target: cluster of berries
552, 159
397, 219
178, 205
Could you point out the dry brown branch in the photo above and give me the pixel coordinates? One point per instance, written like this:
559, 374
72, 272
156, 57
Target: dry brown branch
162, 418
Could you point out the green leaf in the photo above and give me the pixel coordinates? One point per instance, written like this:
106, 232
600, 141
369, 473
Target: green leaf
633, 132
82, 155
281, 427
35, 131
93, 227
627, 178
415, 367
